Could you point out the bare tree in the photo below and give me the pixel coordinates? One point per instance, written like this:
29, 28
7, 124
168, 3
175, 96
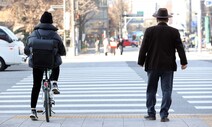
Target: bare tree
116, 11
26, 14
86, 11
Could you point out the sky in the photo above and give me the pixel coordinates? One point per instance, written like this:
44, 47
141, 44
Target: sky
149, 6
179, 8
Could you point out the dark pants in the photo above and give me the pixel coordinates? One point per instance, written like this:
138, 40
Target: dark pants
37, 79
166, 87
121, 49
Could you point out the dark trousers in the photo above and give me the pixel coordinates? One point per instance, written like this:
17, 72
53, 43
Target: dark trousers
166, 87
121, 49
37, 79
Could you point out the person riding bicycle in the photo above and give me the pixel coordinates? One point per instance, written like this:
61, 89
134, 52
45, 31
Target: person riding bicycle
44, 28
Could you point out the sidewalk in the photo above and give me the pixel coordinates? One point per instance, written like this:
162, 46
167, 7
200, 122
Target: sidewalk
113, 120
90, 56
195, 55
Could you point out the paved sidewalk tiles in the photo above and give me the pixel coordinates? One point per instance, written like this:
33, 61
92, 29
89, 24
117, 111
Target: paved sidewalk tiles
113, 120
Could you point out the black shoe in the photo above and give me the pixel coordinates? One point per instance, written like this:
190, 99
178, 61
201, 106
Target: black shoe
55, 89
150, 117
33, 115
165, 119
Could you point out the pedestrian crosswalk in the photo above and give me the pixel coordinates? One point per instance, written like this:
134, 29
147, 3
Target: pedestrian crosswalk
195, 86
101, 89
109, 89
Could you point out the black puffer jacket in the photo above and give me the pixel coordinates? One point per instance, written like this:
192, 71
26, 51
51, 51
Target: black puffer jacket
44, 29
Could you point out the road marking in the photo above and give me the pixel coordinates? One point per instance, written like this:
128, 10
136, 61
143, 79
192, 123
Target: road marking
193, 79
195, 92
201, 97
92, 85
193, 85
79, 92
90, 82
99, 88
142, 100
193, 82
93, 91
89, 111
200, 102
203, 107
80, 105
183, 89
74, 96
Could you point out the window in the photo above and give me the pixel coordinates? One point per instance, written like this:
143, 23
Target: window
3, 35
103, 3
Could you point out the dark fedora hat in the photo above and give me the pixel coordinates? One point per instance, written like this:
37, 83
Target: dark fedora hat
162, 13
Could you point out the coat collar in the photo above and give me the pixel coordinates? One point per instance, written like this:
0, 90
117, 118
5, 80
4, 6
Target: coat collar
162, 23
45, 26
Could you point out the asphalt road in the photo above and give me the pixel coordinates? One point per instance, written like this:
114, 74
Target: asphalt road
113, 84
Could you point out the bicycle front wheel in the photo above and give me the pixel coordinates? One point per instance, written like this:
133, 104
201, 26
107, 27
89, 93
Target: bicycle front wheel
47, 105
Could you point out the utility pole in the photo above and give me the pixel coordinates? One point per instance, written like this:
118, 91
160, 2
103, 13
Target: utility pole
121, 18
64, 22
72, 31
199, 26
190, 16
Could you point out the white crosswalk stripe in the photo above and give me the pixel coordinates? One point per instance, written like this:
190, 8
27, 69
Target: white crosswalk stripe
195, 86
86, 90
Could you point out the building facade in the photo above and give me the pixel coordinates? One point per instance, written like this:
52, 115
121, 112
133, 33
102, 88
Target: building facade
98, 25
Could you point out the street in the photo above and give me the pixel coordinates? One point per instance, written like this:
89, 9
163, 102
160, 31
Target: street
101, 84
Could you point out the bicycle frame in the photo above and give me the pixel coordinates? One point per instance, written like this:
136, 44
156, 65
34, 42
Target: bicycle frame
47, 95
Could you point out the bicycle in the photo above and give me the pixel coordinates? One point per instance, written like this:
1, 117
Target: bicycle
48, 99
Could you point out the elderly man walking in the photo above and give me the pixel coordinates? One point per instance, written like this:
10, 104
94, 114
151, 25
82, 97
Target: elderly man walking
157, 54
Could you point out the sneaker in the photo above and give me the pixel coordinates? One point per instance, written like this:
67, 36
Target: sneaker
165, 119
55, 89
33, 115
150, 117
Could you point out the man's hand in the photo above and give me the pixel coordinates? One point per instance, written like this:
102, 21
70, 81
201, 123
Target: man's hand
183, 67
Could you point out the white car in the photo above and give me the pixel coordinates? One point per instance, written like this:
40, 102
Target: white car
11, 49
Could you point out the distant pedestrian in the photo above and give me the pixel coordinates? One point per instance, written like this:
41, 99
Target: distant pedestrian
97, 46
157, 53
113, 46
106, 45
121, 45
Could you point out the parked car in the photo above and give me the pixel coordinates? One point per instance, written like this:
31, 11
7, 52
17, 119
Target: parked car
128, 42
11, 49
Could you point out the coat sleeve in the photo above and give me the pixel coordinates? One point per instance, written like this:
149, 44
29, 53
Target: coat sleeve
61, 47
62, 50
27, 48
144, 48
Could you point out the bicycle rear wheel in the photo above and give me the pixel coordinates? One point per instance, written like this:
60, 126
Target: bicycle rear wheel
47, 105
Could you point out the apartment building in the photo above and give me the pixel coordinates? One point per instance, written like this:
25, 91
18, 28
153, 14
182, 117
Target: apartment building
98, 25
